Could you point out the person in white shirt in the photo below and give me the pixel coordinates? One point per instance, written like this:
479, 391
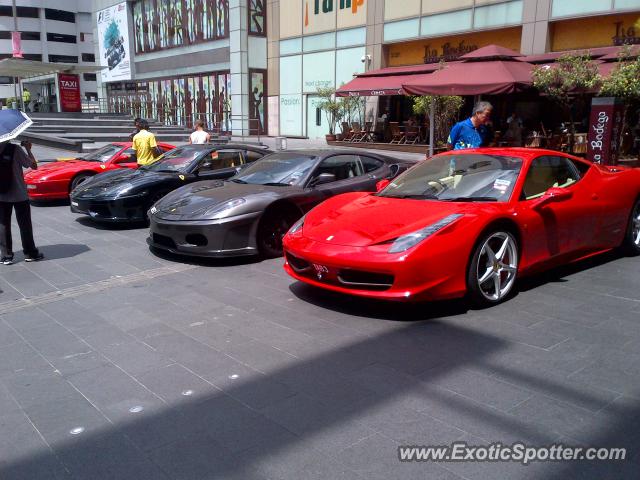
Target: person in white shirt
199, 136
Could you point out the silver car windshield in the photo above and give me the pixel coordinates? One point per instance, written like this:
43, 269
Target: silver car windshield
277, 169
461, 177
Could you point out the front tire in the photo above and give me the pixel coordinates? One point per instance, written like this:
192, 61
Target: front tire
79, 180
271, 230
631, 244
493, 268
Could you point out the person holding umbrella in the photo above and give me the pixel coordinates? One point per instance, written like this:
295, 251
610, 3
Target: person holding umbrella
13, 190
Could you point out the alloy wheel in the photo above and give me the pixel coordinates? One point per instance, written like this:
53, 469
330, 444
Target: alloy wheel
635, 227
497, 266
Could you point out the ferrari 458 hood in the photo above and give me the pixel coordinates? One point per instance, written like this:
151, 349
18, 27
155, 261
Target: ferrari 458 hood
368, 219
191, 202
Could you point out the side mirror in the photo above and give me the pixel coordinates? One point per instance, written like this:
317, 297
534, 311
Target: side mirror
123, 158
382, 184
553, 195
323, 178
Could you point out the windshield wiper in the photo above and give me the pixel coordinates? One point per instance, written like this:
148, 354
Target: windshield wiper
165, 170
237, 180
469, 199
276, 184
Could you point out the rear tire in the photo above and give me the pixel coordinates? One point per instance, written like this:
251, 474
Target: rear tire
493, 269
271, 230
631, 243
79, 180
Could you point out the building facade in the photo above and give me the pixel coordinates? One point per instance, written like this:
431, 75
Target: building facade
63, 34
314, 43
194, 59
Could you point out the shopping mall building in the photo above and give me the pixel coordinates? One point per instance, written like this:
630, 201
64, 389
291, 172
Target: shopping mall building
317, 43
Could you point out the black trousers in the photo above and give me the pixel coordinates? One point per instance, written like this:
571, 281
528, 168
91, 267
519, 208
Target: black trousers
23, 216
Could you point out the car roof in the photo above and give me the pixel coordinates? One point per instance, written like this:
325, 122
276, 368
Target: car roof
325, 152
222, 145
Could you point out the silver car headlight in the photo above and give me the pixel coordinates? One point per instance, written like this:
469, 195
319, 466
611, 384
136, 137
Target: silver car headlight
405, 242
296, 227
217, 211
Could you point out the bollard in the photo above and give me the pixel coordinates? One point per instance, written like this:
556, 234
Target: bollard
281, 143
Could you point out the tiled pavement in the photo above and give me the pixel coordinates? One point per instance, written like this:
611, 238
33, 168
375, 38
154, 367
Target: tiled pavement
118, 364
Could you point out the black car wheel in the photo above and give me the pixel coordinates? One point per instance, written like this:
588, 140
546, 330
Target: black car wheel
272, 228
631, 244
79, 180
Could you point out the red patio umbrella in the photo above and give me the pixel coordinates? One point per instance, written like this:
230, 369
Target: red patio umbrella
490, 70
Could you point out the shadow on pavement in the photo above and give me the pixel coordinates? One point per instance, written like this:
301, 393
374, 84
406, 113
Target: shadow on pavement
205, 261
63, 250
303, 412
88, 222
49, 203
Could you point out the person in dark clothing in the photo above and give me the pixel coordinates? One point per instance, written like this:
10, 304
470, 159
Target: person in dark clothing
13, 195
136, 124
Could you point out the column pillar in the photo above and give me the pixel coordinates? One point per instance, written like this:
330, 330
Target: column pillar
239, 60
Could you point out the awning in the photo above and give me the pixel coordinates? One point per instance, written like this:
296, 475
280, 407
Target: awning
384, 81
18, 67
490, 70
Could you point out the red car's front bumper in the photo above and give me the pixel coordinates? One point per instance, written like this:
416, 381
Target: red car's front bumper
373, 272
49, 190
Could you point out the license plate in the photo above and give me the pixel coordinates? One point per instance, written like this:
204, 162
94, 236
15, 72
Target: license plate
31, 187
75, 204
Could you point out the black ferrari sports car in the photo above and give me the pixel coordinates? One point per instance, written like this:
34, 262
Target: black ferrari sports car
250, 213
125, 195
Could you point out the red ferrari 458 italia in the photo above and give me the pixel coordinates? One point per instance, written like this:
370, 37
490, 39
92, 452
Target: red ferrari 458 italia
466, 222
54, 180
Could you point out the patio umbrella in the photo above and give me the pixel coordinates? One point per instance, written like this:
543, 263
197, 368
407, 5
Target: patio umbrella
489, 70
12, 124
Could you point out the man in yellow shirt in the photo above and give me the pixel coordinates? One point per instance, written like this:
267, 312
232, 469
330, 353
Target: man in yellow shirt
144, 144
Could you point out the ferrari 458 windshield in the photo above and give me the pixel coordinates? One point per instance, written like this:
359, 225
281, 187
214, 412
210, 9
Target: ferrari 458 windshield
176, 160
103, 154
277, 169
460, 178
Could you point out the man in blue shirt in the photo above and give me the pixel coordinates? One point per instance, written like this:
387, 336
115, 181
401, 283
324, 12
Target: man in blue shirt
474, 131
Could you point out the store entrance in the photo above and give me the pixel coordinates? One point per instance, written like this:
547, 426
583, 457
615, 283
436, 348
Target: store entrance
317, 125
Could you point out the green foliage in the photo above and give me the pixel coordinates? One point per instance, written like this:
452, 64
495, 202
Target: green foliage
111, 35
331, 106
624, 81
447, 110
572, 74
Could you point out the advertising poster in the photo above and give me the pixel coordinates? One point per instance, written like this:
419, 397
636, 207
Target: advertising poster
113, 43
69, 86
256, 103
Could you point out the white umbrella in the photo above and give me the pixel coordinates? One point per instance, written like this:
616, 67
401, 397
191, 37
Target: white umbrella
12, 123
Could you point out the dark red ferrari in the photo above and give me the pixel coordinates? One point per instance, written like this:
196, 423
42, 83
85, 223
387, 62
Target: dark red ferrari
466, 222
54, 180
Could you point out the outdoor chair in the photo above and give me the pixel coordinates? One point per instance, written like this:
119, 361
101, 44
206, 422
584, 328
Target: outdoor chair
356, 131
412, 134
347, 134
580, 145
396, 134
364, 135
555, 142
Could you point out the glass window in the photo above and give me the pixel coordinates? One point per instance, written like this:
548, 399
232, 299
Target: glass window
565, 8
348, 63
257, 18
445, 23
508, 13
291, 115
342, 166
461, 177
318, 70
30, 35
323, 41
102, 155
88, 57
219, 159
89, 77
353, 36
626, 4
63, 59
370, 164
277, 169
547, 172
291, 74
402, 29
59, 15
290, 46
60, 37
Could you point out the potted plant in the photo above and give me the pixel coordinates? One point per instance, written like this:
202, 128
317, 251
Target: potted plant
332, 108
